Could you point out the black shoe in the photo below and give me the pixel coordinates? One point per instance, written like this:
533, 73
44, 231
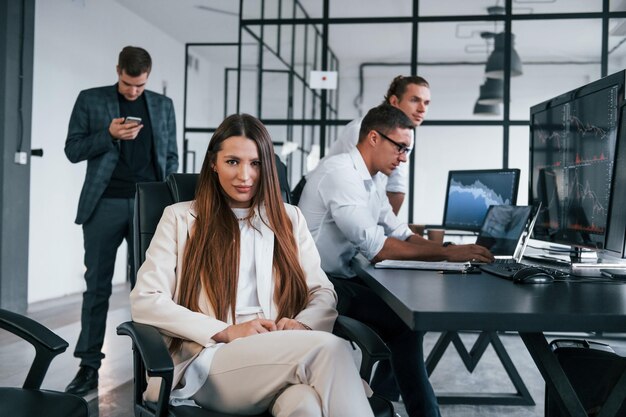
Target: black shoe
85, 380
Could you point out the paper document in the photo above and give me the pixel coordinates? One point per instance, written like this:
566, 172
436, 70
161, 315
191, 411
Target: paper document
429, 266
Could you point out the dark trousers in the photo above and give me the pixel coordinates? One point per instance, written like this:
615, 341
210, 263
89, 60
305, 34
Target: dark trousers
358, 301
110, 223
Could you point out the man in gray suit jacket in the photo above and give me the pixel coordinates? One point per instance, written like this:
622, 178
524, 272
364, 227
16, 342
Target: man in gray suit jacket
127, 135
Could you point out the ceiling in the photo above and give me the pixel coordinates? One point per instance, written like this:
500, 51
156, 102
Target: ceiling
191, 20
572, 40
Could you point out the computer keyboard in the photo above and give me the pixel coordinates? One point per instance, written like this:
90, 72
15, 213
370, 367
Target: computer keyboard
507, 268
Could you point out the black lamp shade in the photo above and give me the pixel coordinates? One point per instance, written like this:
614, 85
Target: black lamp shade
495, 63
486, 109
491, 92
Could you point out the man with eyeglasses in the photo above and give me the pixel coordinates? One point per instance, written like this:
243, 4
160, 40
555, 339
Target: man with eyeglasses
347, 211
411, 94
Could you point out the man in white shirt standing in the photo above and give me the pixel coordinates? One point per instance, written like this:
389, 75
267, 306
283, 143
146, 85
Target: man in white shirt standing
412, 96
348, 212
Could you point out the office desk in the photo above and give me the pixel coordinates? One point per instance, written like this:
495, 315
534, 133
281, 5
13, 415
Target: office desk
428, 301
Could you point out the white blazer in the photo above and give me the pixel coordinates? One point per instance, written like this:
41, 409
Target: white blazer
154, 298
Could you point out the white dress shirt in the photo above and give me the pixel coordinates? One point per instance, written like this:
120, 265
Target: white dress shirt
397, 182
247, 308
347, 212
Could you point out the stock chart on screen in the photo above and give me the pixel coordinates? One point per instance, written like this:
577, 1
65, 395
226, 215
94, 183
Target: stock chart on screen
573, 159
470, 193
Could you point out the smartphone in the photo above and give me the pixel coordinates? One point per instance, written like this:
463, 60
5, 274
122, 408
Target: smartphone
619, 274
133, 120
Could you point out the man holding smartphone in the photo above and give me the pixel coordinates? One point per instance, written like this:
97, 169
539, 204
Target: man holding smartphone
127, 135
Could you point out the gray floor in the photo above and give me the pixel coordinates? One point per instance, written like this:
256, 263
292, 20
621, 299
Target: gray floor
113, 398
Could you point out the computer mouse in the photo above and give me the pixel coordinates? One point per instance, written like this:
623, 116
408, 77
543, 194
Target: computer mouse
532, 275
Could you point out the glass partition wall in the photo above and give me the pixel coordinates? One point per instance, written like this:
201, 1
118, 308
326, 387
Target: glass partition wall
487, 62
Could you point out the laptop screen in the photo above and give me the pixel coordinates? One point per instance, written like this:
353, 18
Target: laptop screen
503, 228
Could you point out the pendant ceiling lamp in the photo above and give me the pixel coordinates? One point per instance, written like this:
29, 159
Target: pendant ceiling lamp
495, 63
491, 92
486, 109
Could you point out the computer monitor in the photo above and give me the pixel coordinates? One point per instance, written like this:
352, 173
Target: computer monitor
578, 166
469, 194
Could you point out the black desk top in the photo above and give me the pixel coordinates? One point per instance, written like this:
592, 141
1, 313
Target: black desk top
429, 301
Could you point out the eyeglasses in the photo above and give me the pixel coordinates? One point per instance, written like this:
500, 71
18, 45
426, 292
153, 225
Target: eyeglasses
400, 148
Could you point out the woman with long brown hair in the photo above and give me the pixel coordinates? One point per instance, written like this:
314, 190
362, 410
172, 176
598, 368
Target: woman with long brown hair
233, 281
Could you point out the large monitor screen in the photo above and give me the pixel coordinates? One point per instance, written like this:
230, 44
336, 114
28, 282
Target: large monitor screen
470, 193
573, 145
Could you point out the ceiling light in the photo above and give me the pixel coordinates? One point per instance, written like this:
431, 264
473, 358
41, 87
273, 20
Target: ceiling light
491, 92
496, 10
495, 63
486, 109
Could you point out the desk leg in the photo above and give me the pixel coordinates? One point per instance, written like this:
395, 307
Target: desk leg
616, 398
510, 369
553, 374
471, 359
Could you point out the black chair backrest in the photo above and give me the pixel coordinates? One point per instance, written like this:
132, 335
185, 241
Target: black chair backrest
151, 199
296, 193
182, 186
285, 191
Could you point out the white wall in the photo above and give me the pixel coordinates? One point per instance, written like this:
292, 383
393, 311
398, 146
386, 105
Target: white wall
76, 47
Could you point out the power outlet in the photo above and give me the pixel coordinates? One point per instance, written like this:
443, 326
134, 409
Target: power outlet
21, 158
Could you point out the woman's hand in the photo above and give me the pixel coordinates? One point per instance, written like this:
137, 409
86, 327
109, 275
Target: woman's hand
248, 328
256, 326
290, 324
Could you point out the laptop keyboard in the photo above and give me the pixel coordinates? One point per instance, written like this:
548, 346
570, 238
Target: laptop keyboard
506, 268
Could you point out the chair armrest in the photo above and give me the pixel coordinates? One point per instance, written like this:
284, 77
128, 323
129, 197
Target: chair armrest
47, 344
372, 346
151, 346
31, 331
150, 356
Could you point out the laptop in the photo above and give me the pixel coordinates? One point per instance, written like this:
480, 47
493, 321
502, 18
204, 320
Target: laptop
504, 230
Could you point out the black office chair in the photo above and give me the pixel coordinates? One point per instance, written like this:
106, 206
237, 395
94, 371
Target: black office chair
30, 400
297, 191
281, 169
150, 355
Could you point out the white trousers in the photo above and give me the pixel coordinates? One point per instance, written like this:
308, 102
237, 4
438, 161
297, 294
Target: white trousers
293, 373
